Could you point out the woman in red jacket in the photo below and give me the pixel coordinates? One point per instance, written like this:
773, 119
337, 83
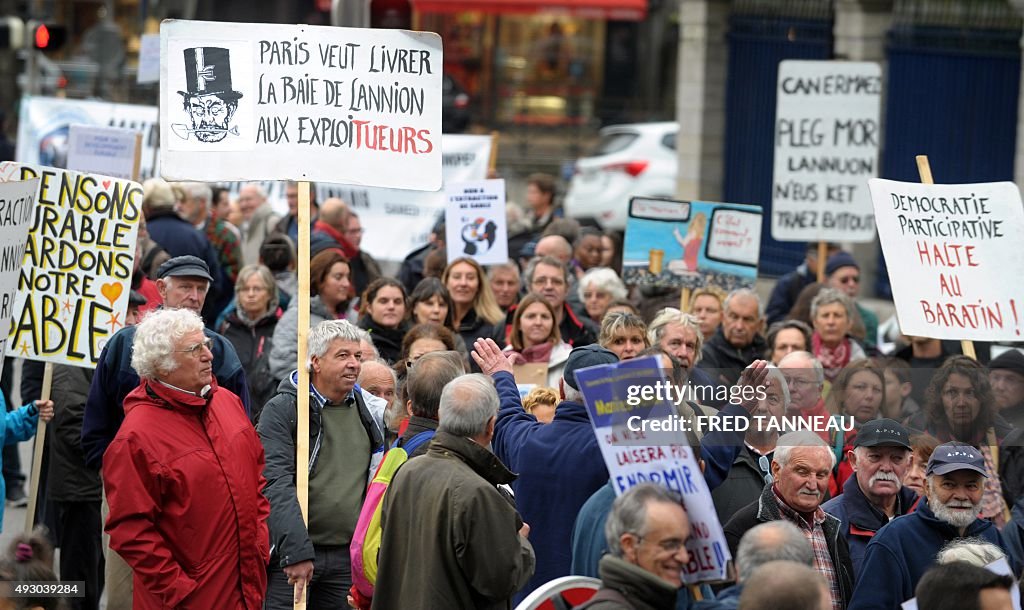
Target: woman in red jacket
184, 477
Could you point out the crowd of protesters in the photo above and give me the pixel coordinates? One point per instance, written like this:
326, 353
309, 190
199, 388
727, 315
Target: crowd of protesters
181, 445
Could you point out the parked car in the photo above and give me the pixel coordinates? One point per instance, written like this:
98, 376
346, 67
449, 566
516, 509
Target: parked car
631, 160
455, 110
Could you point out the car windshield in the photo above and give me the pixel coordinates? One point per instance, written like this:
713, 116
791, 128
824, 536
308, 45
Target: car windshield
614, 142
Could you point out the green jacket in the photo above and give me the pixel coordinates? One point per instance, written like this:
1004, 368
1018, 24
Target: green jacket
450, 538
642, 590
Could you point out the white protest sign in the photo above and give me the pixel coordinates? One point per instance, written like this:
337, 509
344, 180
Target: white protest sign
149, 59
45, 122
395, 222
827, 135
17, 207
617, 408
248, 101
955, 256
475, 222
102, 150
76, 273
735, 236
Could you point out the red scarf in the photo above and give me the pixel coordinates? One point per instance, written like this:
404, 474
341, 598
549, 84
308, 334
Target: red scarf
536, 353
347, 248
833, 359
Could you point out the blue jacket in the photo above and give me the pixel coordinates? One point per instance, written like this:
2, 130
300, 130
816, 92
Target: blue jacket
786, 290
902, 551
19, 425
115, 378
859, 520
559, 466
727, 599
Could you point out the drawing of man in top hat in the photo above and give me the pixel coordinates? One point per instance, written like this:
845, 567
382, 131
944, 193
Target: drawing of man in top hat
210, 100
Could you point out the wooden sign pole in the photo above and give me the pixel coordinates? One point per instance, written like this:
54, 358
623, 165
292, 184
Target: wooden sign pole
925, 170
822, 260
492, 162
37, 453
302, 395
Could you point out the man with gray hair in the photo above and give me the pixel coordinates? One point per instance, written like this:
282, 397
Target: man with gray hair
258, 221
379, 379
346, 444
801, 466
738, 341
646, 532
772, 541
423, 387
550, 278
223, 237
449, 538
785, 585
184, 477
806, 379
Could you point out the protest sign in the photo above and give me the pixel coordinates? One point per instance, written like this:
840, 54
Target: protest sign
634, 456
149, 59
954, 257
405, 217
691, 244
102, 150
17, 207
44, 125
246, 101
827, 135
77, 268
475, 224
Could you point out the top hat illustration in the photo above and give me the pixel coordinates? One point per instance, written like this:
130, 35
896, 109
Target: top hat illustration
208, 72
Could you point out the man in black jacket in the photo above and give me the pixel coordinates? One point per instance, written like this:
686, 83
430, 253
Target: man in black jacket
346, 443
738, 341
800, 470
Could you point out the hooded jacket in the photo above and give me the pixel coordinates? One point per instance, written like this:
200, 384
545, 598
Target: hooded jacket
901, 552
184, 480
450, 538
859, 520
115, 379
559, 465
289, 537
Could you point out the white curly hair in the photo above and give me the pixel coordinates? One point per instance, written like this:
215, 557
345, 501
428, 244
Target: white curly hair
156, 338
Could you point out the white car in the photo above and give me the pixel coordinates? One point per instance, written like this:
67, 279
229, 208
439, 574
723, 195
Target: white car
633, 160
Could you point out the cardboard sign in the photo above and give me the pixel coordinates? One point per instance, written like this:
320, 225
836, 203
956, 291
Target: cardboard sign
149, 59
248, 101
533, 374
475, 224
102, 150
634, 457
691, 244
827, 135
76, 274
45, 123
17, 209
955, 256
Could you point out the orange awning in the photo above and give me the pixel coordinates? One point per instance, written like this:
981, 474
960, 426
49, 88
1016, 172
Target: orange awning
615, 10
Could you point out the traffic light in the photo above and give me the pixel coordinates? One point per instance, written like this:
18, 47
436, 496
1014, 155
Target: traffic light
48, 36
12, 33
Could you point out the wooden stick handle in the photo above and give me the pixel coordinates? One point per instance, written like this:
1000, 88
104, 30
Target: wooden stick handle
925, 170
822, 260
302, 394
37, 453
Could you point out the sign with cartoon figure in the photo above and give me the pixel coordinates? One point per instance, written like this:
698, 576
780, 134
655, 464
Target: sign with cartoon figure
17, 208
244, 101
76, 272
475, 224
691, 244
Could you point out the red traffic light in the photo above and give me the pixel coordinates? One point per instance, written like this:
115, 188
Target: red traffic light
48, 36
42, 36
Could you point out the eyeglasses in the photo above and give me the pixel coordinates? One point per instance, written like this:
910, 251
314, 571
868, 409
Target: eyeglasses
765, 467
800, 383
670, 545
197, 349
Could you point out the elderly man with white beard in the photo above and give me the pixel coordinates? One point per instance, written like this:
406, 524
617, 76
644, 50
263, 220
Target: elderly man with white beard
874, 495
800, 471
902, 551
